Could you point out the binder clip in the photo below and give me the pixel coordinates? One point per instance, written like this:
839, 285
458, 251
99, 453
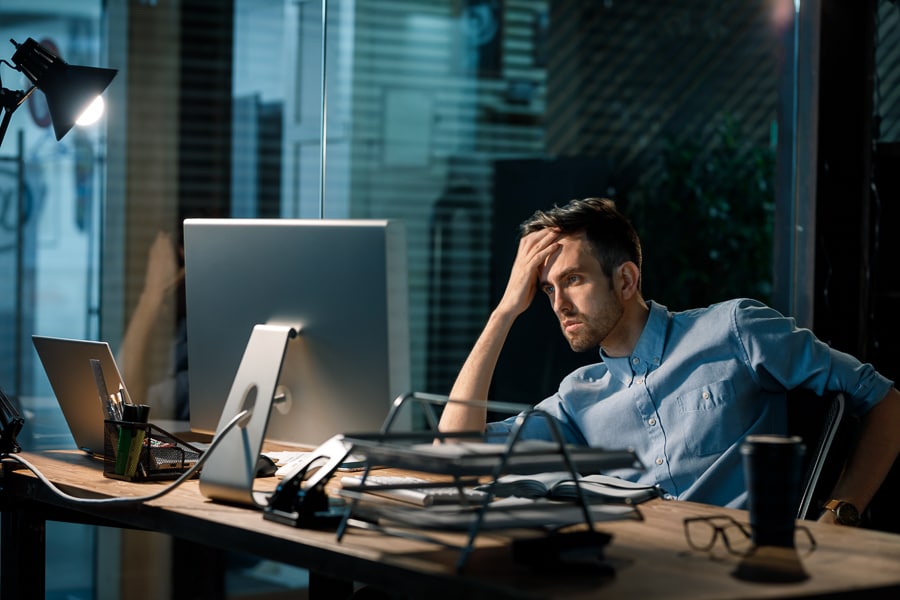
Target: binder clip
308, 506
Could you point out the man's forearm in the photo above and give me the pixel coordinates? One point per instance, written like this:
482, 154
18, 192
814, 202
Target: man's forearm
474, 379
875, 453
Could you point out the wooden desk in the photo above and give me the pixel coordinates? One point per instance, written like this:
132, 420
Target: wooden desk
651, 557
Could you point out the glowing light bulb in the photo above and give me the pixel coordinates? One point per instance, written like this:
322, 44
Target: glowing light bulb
92, 113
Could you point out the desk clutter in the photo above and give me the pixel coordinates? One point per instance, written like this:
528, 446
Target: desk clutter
141, 451
459, 482
464, 481
404, 483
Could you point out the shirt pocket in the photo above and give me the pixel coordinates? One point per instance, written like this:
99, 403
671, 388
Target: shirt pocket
706, 419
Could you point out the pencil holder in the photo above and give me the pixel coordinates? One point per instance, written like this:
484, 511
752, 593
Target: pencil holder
144, 452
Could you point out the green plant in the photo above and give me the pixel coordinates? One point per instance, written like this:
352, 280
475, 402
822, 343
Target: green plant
706, 222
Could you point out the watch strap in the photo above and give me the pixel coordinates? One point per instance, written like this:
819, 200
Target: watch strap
845, 513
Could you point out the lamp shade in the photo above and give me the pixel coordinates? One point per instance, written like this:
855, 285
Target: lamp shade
69, 89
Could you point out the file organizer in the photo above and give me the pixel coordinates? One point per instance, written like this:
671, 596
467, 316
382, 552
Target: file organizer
459, 461
158, 454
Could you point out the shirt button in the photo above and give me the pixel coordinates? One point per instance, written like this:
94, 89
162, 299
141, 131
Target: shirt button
635, 360
639, 380
706, 395
652, 421
659, 461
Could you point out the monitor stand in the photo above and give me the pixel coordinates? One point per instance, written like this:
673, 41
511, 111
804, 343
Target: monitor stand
230, 468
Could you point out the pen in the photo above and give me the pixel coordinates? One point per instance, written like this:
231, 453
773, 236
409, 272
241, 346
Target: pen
124, 396
120, 403
115, 406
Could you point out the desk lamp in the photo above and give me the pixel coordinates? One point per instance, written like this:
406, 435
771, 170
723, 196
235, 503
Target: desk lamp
71, 91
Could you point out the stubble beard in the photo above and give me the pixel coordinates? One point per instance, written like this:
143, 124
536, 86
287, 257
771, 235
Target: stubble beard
586, 339
593, 331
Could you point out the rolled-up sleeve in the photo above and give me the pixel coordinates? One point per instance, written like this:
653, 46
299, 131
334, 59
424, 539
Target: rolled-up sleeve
537, 425
782, 355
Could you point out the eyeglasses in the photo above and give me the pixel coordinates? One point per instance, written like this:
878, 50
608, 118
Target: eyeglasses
702, 532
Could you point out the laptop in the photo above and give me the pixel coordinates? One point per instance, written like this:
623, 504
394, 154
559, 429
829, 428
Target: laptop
67, 363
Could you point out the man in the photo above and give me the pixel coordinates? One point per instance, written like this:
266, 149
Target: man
683, 389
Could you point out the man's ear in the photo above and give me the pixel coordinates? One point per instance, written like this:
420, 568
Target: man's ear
629, 279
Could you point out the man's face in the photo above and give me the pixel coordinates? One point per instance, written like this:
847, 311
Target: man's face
580, 294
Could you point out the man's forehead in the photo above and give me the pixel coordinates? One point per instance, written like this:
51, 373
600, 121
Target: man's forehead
575, 252
574, 239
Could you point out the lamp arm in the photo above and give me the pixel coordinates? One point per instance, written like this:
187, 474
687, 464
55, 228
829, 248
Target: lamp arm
7, 114
10, 100
13, 99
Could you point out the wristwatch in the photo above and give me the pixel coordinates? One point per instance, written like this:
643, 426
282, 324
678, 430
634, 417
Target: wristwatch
844, 512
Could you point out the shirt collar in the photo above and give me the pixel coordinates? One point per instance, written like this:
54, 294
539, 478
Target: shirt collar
648, 351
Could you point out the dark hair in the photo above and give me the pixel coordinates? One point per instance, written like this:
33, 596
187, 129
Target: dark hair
612, 236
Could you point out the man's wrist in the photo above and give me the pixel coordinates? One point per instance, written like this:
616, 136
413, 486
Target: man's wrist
845, 513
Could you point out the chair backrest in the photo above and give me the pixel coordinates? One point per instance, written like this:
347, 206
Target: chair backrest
818, 457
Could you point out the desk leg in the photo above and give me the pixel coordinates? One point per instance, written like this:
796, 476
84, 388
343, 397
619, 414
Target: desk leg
198, 571
23, 540
322, 586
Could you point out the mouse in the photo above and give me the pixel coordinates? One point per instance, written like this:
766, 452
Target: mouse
265, 466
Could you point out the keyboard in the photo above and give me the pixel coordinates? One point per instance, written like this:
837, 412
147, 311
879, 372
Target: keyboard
409, 492
289, 462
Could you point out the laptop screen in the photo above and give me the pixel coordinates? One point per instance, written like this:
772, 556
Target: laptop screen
67, 363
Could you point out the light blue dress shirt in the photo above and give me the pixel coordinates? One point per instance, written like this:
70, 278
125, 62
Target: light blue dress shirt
697, 383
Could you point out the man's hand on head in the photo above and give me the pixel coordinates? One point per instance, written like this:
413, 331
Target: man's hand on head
534, 250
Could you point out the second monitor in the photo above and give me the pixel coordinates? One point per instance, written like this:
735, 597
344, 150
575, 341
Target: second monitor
341, 283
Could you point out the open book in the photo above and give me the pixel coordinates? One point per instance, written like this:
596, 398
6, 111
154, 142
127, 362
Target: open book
559, 485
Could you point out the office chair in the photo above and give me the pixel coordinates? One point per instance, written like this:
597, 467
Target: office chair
819, 478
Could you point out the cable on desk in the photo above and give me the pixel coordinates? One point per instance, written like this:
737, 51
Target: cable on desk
136, 499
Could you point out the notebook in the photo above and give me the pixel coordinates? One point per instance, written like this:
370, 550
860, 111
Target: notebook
67, 363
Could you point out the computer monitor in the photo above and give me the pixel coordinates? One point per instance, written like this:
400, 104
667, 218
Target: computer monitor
341, 283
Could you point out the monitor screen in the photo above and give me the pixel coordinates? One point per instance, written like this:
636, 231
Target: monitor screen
341, 283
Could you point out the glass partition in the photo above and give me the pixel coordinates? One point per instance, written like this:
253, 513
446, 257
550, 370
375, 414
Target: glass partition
463, 117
